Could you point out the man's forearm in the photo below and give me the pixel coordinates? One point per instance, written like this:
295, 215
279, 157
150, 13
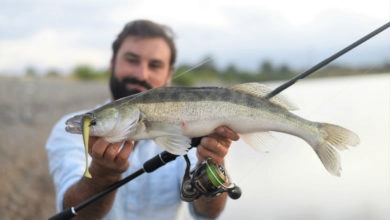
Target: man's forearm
109, 161
84, 189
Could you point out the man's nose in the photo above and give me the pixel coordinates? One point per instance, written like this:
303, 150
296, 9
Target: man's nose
142, 71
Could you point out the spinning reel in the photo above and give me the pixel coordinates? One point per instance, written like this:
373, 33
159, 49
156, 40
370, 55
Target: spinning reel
207, 179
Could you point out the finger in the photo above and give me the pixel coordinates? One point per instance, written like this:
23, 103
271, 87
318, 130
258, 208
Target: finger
203, 154
124, 153
216, 143
209, 143
227, 133
213, 148
112, 151
98, 148
92, 140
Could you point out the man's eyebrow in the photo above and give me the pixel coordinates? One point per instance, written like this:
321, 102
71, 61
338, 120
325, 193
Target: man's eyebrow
131, 54
157, 61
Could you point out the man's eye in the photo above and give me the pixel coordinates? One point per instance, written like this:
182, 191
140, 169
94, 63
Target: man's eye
92, 123
155, 65
132, 61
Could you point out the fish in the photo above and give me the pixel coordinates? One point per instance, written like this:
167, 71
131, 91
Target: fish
171, 116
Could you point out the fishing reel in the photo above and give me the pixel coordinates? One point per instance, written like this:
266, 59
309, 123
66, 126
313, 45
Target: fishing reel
208, 179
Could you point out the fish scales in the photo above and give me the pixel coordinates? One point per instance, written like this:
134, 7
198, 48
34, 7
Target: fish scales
175, 105
185, 94
200, 110
166, 100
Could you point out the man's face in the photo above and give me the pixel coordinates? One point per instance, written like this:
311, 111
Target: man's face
140, 64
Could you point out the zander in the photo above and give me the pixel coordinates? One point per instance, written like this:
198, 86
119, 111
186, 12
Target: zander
171, 116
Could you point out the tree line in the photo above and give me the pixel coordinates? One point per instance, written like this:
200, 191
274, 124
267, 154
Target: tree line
186, 75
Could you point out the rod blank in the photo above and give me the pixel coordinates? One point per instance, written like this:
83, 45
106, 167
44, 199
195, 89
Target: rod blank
326, 61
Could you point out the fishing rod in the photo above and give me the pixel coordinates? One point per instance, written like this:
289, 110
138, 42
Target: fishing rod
191, 188
326, 61
148, 167
208, 179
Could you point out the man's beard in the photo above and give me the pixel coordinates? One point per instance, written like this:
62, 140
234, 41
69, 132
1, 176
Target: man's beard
119, 88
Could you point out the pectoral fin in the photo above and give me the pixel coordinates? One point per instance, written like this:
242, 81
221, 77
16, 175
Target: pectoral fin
171, 139
174, 144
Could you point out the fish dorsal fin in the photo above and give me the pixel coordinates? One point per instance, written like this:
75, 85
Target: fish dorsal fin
260, 90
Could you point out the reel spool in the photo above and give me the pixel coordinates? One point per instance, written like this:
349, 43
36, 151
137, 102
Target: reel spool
208, 179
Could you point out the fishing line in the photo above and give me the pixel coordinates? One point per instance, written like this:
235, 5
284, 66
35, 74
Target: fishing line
194, 67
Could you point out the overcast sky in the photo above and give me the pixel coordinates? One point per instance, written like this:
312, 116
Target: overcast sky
61, 34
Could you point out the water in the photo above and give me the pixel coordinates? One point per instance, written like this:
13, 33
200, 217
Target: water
290, 182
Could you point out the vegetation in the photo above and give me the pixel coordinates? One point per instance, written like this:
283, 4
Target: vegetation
267, 71
85, 72
208, 73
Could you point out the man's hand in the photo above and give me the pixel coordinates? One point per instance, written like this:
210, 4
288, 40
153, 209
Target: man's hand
216, 145
109, 161
109, 158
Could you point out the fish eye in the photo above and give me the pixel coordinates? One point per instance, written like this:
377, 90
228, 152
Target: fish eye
92, 123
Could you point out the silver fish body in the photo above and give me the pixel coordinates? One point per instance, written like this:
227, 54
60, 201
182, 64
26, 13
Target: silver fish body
173, 115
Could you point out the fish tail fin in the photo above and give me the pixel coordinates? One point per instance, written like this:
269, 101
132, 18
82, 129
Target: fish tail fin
334, 138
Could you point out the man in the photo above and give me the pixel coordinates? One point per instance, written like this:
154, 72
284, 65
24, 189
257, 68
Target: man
143, 58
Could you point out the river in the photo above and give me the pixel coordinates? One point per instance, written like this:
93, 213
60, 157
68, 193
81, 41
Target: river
290, 182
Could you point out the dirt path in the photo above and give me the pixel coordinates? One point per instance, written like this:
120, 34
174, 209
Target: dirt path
28, 110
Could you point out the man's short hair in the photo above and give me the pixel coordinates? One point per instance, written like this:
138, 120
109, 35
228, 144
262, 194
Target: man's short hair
146, 29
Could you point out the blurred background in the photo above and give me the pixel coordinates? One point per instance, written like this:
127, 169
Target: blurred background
43, 37
51, 52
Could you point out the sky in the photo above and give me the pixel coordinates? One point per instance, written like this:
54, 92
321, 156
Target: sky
58, 35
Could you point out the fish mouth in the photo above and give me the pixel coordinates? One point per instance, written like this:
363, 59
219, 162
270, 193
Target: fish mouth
74, 125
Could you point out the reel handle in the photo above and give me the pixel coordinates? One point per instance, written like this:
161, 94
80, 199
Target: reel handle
234, 192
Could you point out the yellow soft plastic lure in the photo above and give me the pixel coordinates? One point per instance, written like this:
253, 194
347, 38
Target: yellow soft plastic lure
86, 124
